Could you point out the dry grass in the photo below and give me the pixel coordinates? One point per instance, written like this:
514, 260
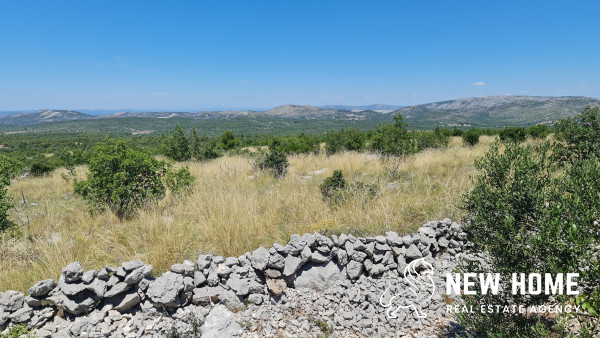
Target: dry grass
230, 210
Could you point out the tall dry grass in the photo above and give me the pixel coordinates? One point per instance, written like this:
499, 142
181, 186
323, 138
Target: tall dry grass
231, 210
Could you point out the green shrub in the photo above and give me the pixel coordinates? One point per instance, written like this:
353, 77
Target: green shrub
513, 134
121, 179
18, 331
10, 167
5, 203
346, 139
40, 167
530, 214
229, 141
177, 146
335, 189
471, 137
393, 139
428, 140
538, 131
275, 161
579, 136
180, 181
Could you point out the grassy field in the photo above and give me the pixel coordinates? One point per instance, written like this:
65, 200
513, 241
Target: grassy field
231, 210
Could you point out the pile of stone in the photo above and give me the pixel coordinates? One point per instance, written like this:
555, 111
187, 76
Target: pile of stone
109, 301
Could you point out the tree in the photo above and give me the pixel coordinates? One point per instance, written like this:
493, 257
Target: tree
276, 161
331, 186
121, 179
580, 135
471, 137
538, 131
5, 200
177, 145
392, 139
229, 141
513, 134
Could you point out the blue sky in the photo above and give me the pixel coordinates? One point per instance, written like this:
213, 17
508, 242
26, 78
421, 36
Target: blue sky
191, 55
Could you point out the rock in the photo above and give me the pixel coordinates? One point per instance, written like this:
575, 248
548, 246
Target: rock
349, 248
132, 265
319, 277
207, 294
11, 300
231, 261
41, 288
79, 326
359, 245
72, 272
41, 317
260, 258
165, 289
256, 287
239, 286
342, 257
413, 252
276, 261
229, 299
354, 269
291, 265
271, 273
204, 261
255, 299
4, 318
305, 254
21, 315
199, 278
82, 303
117, 289
177, 268
88, 276
138, 274
124, 301
317, 257
220, 322
276, 286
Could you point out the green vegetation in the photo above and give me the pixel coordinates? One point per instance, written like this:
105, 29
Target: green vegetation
471, 137
335, 189
536, 208
121, 178
229, 141
5, 200
393, 139
275, 161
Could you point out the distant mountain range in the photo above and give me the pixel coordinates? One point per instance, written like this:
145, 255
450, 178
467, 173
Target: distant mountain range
492, 111
496, 111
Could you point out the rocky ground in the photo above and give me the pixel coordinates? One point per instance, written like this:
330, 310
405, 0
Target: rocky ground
315, 285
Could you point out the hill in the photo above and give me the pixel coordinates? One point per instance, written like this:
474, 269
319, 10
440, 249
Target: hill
495, 111
43, 116
381, 108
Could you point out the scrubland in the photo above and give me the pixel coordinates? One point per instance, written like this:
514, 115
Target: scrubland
231, 209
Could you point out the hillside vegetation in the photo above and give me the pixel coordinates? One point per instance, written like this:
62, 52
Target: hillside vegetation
230, 210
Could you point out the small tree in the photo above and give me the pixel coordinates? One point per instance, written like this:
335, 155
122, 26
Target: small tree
276, 160
393, 139
180, 181
5, 200
471, 137
229, 141
513, 134
177, 145
121, 178
538, 131
331, 186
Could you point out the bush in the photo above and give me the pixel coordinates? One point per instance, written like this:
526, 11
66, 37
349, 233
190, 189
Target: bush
393, 139
40, 167
276, 161
471, 137
177, 146
579, 136
513, 134
180, 181
121, 179
229, 141
529, 213
538, 131
335, 189
428, 140
5, 201
345, 139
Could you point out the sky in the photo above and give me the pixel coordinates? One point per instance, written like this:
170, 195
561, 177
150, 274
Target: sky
194, 55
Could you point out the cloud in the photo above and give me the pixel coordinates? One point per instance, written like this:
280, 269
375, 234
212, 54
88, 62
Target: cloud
479, 83
339, 97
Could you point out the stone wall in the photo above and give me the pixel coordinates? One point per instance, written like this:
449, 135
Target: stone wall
309, 261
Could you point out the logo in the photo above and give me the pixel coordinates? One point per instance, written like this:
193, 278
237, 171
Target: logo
420, 288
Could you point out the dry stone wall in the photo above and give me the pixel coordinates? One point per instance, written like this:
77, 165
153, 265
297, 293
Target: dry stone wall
82, 302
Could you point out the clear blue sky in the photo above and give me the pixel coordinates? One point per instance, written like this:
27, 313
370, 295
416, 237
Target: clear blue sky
189, 55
